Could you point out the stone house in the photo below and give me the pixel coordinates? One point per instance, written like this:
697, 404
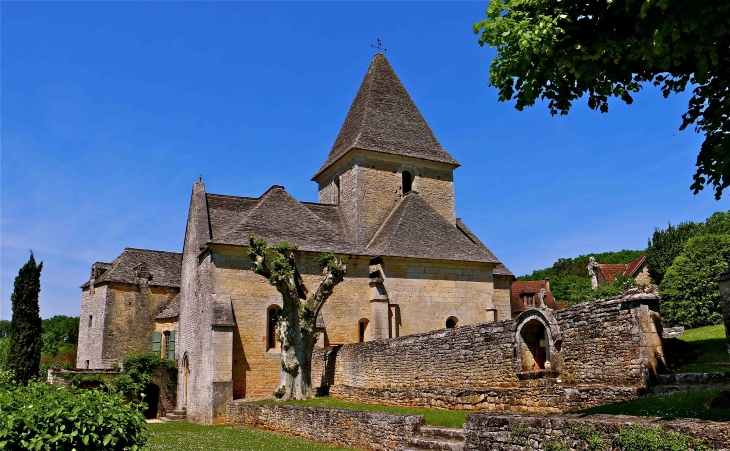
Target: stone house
386, 202
127, 305
532, 294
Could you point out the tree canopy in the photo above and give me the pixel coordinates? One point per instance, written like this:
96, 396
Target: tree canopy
690, 295
561, 50
667, 244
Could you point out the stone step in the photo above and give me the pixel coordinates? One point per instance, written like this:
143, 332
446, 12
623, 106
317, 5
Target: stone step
174, 416
180, 412
669, 389
441, 432
430, 443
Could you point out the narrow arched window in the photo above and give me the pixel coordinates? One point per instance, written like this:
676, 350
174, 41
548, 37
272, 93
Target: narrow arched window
337, 190
272, 326
407, 182
451, 322
362, 329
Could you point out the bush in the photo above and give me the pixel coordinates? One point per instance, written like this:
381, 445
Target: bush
690, 296
46, 417
642, 438
584, 292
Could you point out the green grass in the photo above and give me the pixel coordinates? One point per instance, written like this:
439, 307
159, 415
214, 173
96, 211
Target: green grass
713, 348
433, 417
691, 404
187, 436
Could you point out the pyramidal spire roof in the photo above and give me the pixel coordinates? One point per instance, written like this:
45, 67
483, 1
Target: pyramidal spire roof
383, 118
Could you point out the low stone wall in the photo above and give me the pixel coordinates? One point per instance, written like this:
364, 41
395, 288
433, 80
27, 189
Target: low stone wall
595, 353
489, 432
350, 428
549, 399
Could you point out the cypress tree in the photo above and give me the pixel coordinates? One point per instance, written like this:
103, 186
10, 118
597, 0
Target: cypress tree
24, 355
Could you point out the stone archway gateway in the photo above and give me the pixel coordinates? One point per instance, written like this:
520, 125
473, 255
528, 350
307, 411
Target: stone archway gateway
537, 339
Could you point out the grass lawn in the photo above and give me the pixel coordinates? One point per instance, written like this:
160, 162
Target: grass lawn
186, 436
678, 405
711, 340
444, 418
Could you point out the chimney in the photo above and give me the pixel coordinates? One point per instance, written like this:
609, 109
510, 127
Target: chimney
547, 284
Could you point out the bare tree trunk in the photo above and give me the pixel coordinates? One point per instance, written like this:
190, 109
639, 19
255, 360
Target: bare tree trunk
297, 323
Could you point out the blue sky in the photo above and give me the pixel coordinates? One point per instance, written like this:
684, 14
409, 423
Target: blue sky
111, 110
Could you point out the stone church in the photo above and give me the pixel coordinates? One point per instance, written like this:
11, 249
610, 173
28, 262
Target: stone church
386, 202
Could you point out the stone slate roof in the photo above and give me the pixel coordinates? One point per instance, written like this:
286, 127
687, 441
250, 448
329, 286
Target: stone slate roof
383, 118
172, 310
502, 270
414, 229
279, 217
164, 268
533, 287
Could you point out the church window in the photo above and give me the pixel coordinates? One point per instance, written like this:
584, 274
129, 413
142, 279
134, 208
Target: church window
407, 181
272, 327
451, 322
337, 190
362, 329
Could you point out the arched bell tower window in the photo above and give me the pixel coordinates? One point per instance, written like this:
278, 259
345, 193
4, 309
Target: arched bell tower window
407, 181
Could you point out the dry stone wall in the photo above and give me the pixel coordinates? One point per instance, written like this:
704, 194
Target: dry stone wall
598, 352
350, 428
491, 432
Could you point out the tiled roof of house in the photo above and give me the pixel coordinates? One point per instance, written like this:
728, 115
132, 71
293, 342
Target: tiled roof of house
164, 268
533, 287
634, 266
172, 310
414, 229
609, 271
383, 118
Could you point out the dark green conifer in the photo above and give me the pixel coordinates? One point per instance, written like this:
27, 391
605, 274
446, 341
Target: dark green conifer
24, 355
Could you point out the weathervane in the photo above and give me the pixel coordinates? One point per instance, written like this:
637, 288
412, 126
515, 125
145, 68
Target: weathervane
379, 46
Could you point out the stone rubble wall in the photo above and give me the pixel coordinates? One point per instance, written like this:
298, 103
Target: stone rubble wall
601, 352
349, 428
489, 432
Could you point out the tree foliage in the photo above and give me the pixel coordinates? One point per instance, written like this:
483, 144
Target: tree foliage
569, 280
59, 332
690, 295
24, 353
666, 244
561, 50
298, 317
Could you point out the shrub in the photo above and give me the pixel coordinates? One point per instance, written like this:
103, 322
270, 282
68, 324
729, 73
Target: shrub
690, 296
642, 438
584, 292
41, 416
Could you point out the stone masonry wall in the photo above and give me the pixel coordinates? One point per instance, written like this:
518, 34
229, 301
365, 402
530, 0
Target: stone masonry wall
349, 428
371, 185
423, 295
91, 328
599, 352
492, 432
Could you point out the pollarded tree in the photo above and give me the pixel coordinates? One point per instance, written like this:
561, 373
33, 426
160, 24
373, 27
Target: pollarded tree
561, 50
24, 353
298, 317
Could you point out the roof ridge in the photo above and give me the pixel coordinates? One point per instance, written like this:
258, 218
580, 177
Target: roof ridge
147, 250
387, 218
235, 197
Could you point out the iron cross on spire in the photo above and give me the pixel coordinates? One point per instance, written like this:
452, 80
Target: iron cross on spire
379, 46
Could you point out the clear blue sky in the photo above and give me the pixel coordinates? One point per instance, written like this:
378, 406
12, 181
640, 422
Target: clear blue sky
111, 110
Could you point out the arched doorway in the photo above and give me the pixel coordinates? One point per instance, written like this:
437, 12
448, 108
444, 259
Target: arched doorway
534, 345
